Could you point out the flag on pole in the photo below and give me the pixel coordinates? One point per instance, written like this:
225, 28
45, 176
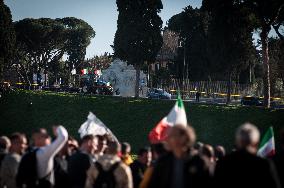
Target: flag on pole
177, 116
94, 126
267, 144
84, 71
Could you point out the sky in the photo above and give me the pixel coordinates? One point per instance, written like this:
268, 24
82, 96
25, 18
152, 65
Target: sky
100, 14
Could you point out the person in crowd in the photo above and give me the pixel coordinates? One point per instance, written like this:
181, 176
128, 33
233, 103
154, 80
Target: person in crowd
220, 152
11, 161
139, 166
5, 144
158, 150
182, 166
81, 161
125, 153
207, 153
197, 96
61, 164
198, 146
102, 145
278, 160
72, 146
46, 151
120, 173
243, 168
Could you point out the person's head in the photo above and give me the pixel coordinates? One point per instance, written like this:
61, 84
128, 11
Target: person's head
198, 146
158, 150
145, 156
125, 148
102, 144
72, 146
207, 152
18, 143
5, 143
89, 144
40, 137
247, 137
180, 139
220, 152
113, 148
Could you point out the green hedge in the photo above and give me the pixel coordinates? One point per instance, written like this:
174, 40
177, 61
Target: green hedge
129, 119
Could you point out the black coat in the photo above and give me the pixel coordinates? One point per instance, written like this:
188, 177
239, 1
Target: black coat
78, 165
137, 170
278, 160
242, 169
195, 172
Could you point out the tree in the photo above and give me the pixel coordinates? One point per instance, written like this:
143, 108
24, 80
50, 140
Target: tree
43, 42
100, 62
276, 58
78, 37
267, 13
162, 78
192, 26
7, 37
230, 38
138, 36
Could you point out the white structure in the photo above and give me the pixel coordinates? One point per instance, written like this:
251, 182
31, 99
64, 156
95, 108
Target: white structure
123, 77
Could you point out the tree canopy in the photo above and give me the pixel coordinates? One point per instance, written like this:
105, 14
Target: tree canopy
138, 36
7, 37
42, 42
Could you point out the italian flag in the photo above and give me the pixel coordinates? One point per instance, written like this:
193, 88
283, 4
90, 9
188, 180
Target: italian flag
177, 116
84, 71
267, 144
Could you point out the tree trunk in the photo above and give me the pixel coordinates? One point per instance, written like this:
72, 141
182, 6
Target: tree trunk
137, 83
265, 59
229, 89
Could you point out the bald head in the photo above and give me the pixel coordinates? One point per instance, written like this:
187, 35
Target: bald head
247, 137
5, 143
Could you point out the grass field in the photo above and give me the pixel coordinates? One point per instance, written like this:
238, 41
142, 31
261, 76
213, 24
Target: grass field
129, 119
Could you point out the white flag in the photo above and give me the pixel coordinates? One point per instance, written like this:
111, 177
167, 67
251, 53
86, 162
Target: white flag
94, 126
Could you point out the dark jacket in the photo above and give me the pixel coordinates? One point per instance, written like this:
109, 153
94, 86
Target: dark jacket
137, 170
242, 169
60, 172
78, 165
195, 172
278, 160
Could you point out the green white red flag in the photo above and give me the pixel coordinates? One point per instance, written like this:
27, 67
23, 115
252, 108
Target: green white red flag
177, 116
267, 144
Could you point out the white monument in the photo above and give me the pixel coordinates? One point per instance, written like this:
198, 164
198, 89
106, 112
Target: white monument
123, 77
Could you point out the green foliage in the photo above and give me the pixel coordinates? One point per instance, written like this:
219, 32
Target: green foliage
276, 55
162, 78
138, 36
78, 35
100, 62
129, 119
7, 37
217, 40
42, 42
267, 14
230, 38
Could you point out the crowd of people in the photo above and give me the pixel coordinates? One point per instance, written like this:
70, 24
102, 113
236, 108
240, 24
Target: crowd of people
101, 162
